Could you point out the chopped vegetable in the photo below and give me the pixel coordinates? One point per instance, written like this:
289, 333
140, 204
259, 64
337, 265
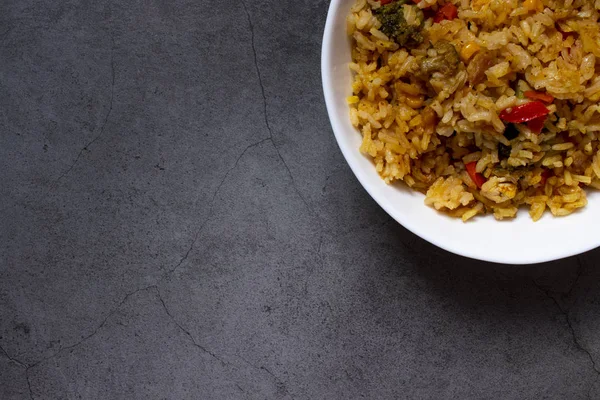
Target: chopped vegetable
445, 61
545, 97
536, 125
394, 25
511, 132
524, 112
521, 87
476, 177
384, 2
447, 12
468, 50
519, 93
503, 151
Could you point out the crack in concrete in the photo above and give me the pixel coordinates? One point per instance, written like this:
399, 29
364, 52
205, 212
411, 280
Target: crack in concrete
164, 276
104, 321
96, 138
6, 32
101, 132
272, 138
22, 365
319, 252
278, 382
210, 208
265, 109
327, 182
185, 331
28, 383
196, 236
113, 312
83, 339
12, 359
576, 340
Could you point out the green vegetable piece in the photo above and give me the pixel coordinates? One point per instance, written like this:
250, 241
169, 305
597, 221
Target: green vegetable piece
445, 61
394, 25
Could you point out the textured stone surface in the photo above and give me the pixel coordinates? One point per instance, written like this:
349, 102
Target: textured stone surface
178, 223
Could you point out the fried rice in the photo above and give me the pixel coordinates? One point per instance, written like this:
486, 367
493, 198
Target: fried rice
485, 106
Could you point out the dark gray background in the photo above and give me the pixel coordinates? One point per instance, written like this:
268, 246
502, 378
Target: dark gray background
177, 222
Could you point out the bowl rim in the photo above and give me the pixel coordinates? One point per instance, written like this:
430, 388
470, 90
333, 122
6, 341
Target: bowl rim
348, 152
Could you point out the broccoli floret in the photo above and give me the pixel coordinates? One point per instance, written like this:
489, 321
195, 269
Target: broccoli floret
446, 61
394, 25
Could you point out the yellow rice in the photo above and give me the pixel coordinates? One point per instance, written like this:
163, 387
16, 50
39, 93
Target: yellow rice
422, 131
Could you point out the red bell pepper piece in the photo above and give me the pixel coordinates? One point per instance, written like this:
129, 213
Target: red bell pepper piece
545, 97
536, 125
524, 112
476, 177
448, 11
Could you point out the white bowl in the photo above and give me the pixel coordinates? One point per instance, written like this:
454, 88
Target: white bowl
518, 241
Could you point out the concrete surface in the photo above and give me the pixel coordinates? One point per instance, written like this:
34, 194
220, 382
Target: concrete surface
177, 222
